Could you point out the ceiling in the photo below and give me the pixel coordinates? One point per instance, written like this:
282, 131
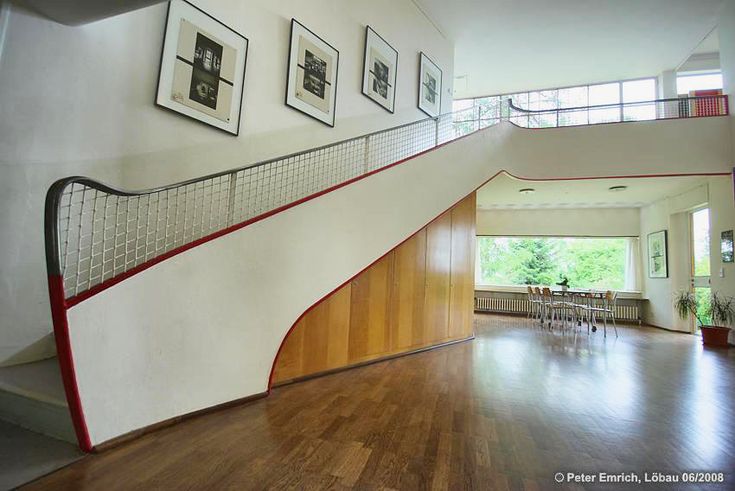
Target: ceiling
504, 46
710, 44
503, 192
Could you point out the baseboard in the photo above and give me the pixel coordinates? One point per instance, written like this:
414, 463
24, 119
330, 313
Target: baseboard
676, 331
370, 362
119, 440
511, 314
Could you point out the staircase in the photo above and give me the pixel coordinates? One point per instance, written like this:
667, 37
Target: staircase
32, 396
173, 300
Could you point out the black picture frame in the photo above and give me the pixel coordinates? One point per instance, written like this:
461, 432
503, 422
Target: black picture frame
391, 107
165, 81
425, 61
291, 99
726, 246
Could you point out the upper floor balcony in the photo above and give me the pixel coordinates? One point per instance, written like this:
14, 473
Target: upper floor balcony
483, 115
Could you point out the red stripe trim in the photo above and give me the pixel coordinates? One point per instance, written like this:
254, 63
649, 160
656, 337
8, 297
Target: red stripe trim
66, 360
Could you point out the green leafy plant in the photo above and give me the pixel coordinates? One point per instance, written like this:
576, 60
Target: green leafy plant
721, 309
563, 281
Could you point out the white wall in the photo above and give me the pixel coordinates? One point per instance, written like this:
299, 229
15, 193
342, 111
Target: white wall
722, 217
79, 100
672, 214
577, 222
726, 32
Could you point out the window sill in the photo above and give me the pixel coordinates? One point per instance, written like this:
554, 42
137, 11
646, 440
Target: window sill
522, 289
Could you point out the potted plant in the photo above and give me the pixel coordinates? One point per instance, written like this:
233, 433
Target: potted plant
563, 283
721, 310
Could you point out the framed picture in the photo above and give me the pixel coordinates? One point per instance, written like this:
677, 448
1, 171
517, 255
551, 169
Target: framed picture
380, 67
202, 68
430, 86
312, 75
658, 261
726, 246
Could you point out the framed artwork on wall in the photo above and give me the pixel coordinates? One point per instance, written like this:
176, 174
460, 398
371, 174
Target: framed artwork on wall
380, 68
726, 246
312, 75
658, 261
202, 70
430, 86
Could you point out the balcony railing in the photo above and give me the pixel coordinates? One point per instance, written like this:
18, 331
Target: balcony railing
683, 107
97, 235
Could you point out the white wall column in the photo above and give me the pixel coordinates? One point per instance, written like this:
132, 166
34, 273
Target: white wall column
726, 31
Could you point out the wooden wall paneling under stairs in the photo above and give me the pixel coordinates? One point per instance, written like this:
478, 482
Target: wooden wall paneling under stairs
418, 295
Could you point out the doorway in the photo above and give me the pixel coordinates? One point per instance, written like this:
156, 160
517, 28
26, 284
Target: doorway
700, 263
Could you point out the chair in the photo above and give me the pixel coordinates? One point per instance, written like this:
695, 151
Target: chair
606, 309
534, 304
583, 304
541, 308
552, 307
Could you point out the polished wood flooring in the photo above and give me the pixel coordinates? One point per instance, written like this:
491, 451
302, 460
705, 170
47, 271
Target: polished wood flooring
505, 411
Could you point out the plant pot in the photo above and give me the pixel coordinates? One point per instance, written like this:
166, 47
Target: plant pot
715, 336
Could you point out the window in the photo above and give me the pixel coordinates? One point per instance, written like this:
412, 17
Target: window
604, 94
598, 263
701, 81
637, 95
627, 91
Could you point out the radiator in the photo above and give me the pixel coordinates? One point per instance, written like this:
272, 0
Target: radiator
505, 305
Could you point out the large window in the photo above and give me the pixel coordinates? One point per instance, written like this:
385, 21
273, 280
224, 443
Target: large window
597, 263
627, 91
687, 83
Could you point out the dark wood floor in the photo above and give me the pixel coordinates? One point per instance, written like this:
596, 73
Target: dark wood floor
505, 411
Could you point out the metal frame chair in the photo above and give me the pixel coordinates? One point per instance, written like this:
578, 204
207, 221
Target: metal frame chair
607, 309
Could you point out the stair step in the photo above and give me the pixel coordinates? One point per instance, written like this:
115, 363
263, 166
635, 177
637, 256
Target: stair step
32, 396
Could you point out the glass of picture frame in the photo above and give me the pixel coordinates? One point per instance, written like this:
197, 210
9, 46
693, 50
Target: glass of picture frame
658, 262
726, 246
202, 71
312, 75
380, 68
430, 86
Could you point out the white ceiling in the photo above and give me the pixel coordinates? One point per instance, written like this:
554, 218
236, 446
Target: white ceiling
504, 46
710, 44
502, 192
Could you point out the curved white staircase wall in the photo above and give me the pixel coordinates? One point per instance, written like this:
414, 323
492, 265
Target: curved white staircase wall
204, 327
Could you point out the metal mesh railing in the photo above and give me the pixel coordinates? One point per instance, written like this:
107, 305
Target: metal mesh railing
684, 107
95, 233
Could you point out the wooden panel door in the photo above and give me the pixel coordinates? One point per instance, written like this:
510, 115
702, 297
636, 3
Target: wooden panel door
290, 359
407, 293
438, 262
369, 328
462, 284
326, 330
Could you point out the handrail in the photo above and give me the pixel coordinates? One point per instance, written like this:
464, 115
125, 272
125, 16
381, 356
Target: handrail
671, 108
96, 232
614, 104
97, 235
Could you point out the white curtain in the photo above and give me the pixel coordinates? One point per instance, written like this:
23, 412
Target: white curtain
633, 264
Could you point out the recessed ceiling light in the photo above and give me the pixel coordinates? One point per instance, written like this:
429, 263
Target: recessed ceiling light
617, 189
527, 191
